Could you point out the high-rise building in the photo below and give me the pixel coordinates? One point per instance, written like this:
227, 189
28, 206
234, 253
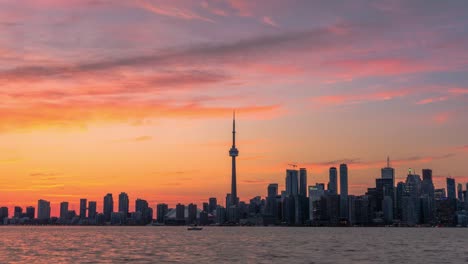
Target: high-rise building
315, 194
344, 191
233, 152
212, 204
161, 210
63, 210
18, 211
333, 181
192, 214
142, 207
92, 210
460, 192
303, 182
83, 203
451, 194
43, 210
123, 203
30, 212
292, 187
411, 204
427, 185
388, 172
108, 207
3, 214
271, 201
180, 212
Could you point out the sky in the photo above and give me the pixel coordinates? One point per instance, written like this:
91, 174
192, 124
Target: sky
108, 96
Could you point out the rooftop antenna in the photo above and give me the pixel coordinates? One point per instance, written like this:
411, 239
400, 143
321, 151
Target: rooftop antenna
388, 161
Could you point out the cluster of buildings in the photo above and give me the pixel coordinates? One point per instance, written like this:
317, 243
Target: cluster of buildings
413, 202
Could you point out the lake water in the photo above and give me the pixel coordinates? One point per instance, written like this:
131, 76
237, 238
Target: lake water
232, 245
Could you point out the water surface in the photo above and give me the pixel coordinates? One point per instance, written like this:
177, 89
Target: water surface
232, 245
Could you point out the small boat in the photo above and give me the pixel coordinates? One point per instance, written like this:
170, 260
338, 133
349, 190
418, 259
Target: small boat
194, 228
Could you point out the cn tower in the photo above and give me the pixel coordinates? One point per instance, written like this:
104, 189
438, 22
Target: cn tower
233, 152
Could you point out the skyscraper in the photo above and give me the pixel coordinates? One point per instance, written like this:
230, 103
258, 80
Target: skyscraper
233, 152
30, 212
303, 182
63, 210
388, 172
142, 207
292, 181
333, 181
43, 210
92, 210
83, 208
192, 213
344, 191
213, 203
161, 210
123, 203
108, 206
460, 192
451, 195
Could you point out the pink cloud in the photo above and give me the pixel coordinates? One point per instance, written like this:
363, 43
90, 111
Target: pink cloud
359, 98
171, 11
269, 21
441, 118
432, 100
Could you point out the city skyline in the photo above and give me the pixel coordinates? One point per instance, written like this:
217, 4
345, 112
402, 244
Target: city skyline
117, 96
296, 186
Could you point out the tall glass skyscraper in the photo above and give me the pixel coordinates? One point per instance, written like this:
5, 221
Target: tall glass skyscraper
344, 191
333, 181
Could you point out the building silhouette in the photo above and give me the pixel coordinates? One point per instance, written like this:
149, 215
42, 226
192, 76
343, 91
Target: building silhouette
333, 181
344, 191
108, 207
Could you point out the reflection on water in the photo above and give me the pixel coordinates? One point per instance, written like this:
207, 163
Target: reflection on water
233, 244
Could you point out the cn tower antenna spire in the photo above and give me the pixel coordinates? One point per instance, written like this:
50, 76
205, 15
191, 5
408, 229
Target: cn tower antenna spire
233, 152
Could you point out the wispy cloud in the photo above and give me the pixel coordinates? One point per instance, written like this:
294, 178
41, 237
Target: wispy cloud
171, 11
269, 21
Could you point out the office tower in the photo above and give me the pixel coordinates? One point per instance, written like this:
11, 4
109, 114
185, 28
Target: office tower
220, 215
427, 185
192, 214
344, 191
411, 204
383, 187
204, 220
123, 203
233, 152
271, 208
92, 210
206, 207
303, 182
142, 207
451, 195
180, 212
83, 208
315, 194
400, 192
228, 199
63, 210
292, 187
161, 210
43, 210
108, 206
3, 213
213, 203
18, 211
388, 172
460, 192
333, 181
30, 212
